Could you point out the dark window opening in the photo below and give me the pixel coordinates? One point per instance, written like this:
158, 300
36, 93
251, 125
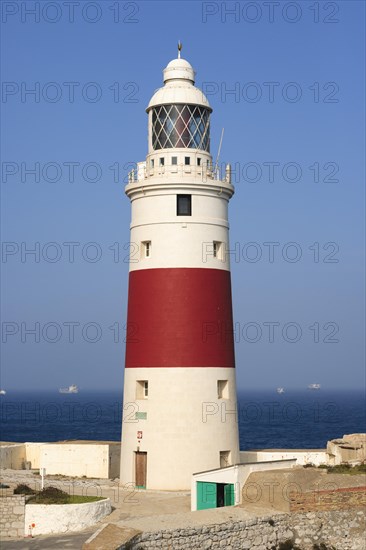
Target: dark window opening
184, 205
187, 161
198, 162
174, 160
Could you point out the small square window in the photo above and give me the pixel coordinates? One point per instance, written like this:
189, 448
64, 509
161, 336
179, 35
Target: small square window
142, 389
145, 249
187, 161
184, 205
198, 161
174, 161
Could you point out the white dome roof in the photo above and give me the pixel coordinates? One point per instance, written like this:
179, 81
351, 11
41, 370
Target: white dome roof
178, 86
179, 68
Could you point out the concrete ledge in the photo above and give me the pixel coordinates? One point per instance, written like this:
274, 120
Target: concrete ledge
111, 537
63, 518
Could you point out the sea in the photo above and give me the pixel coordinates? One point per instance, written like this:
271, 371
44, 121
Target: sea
295, 419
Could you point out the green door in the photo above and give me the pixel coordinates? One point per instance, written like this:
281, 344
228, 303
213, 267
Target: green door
229, 494
206, 495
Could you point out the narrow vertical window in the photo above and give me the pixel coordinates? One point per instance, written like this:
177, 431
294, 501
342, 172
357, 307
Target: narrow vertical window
198, 161
142, 389
217, 250
184, 205
152, 163
174, 161
222, 389
145, 249
161, 161
187, 161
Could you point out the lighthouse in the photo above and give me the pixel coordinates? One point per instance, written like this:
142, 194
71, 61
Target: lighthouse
179, 405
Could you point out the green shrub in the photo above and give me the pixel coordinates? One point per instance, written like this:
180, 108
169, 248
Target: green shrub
23, 489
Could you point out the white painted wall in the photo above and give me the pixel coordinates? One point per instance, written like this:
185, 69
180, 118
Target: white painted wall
71, 459
33, 452
302, 456
237, 475
100, 460
114, 461
179, 241
12, 456
63, 518
186, 425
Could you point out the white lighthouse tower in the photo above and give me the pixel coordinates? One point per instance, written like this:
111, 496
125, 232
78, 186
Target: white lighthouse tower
179, 412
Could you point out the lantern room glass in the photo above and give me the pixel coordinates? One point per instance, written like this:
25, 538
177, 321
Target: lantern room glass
185, 126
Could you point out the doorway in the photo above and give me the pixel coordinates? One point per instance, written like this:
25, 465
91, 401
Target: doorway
214, 495
140, 469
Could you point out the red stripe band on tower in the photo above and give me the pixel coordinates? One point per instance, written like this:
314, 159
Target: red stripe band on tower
179, 317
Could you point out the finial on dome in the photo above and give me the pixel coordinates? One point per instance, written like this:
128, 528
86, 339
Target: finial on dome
180, 46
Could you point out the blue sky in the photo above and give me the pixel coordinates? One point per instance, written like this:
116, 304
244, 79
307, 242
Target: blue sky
298, 110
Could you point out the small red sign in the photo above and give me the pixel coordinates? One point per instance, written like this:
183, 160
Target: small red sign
139, 435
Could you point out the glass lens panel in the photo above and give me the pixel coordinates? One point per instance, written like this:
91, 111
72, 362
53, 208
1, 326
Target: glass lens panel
185, 126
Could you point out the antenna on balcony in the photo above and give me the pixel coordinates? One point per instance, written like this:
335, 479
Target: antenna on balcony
216, 169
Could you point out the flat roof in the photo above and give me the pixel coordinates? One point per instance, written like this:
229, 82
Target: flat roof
244, 464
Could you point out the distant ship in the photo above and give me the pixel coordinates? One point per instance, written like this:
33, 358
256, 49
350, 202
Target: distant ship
71, 389
280, 390
314, 387
2, 392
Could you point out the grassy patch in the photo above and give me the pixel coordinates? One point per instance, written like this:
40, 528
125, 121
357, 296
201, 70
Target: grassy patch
347, 469
52, 495
69, 499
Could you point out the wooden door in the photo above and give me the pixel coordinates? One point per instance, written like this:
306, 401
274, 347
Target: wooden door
140, 469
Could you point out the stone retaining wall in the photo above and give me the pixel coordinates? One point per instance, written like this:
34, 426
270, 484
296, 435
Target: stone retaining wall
12, 516
337, 499
345, 530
